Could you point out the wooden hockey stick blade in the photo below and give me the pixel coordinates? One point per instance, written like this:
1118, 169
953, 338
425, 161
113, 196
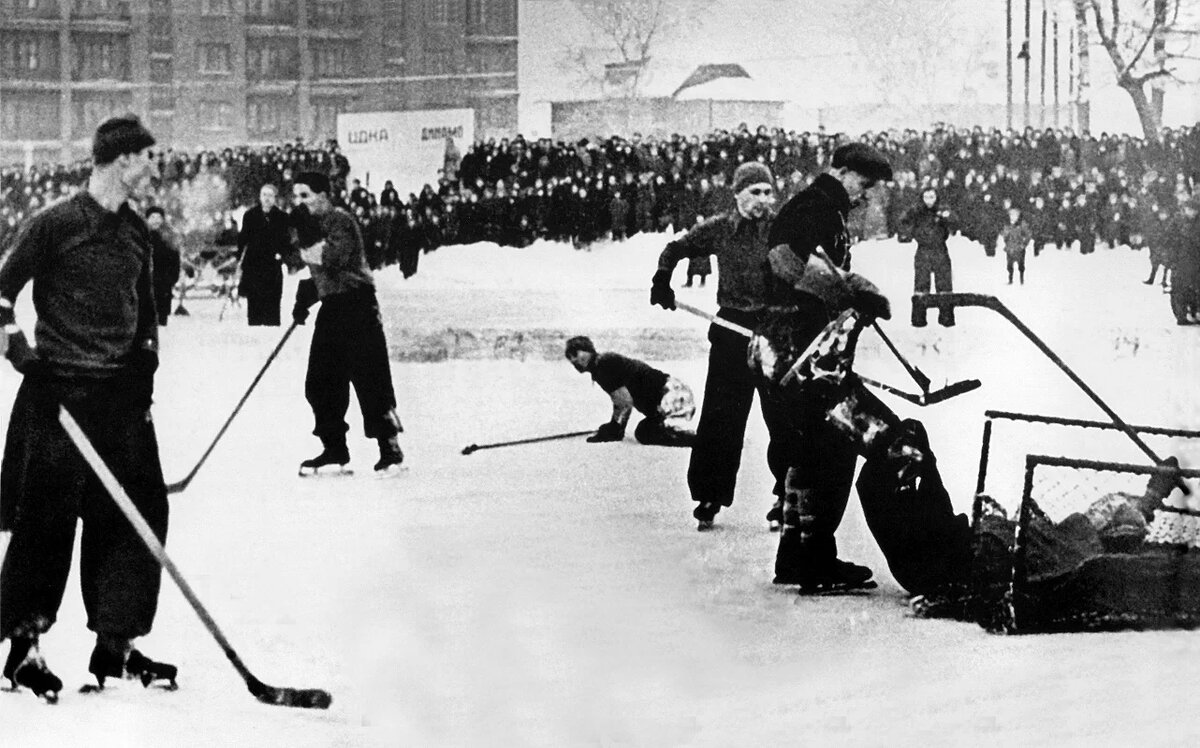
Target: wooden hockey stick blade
307, 698
949, 391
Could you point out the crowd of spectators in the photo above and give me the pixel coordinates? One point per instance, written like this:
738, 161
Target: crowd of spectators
1074, 189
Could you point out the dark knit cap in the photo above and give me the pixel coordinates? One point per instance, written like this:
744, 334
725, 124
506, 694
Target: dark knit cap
580, 343
751, 172
316, 181
863, 159
117, 136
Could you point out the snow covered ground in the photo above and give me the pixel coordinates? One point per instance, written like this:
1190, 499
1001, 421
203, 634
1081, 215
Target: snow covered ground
558, 594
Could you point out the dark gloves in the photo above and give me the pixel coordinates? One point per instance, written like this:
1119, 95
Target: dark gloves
867, 298
608, 432
141, 365
306, 296
660, 290
13, 344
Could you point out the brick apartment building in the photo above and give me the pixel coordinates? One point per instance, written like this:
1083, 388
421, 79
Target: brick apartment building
210, 73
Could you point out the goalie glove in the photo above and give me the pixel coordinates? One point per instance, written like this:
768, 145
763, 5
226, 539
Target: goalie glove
608, 432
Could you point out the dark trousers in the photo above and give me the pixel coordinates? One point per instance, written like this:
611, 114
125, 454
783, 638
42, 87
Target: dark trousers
349, 347
927, 545
937, 266
263, 309
816, 492
1017, 261
728, 394
45, 487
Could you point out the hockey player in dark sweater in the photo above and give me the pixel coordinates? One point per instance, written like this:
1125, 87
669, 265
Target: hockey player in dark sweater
666, 402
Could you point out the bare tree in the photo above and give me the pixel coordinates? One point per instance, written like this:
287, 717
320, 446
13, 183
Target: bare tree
630, 30
1145, 40
915, 53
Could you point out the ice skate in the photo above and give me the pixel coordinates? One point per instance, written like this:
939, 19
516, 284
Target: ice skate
704, 514
829, 577
333, 454
390, 458
25, 667
111, 661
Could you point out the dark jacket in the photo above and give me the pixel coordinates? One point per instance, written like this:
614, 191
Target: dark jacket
740, 246
93, 285
263, 243
816, 217
929, 227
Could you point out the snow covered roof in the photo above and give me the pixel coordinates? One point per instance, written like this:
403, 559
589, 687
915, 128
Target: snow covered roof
726, 82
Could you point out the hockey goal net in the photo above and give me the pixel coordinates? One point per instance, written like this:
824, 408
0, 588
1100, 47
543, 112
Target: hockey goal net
1071, 535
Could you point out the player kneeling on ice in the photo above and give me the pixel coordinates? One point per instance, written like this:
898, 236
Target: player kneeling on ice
666, 402
348, 343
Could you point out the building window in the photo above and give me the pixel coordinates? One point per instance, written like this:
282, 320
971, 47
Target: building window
215, 8
34, 116
439, 62
213, 58
99, 57
216, 115
27, 56
271, 11
272, 62
329, 11
439, 11
334, 61
476, 17
162, 98
92, 109
102, 8
161, 71
325, 113
271, 117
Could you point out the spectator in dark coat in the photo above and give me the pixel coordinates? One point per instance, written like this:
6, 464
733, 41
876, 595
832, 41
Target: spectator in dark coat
264, 246
166, 263
930, 224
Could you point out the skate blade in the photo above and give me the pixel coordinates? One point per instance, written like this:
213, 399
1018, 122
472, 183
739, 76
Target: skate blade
49, 697
326, 471
836, 589
391, 471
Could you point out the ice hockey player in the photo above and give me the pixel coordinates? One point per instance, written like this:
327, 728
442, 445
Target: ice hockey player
666, 402
737, 237
89, 260
348, 343
807, 286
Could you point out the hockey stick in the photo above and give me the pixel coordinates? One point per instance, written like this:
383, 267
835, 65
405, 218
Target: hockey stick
182, 484
533, 440
305, 698
924, 398
923, 302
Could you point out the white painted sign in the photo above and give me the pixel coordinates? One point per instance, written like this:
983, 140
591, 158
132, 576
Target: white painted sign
409, 148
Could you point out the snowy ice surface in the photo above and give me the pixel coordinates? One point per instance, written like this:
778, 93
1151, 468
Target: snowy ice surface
558, 594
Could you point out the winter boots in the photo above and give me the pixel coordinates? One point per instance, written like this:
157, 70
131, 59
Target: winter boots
115, 657
25, 667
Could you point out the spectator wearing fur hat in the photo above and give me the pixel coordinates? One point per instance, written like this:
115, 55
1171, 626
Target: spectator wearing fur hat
348, 343
738, 239
89, 258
